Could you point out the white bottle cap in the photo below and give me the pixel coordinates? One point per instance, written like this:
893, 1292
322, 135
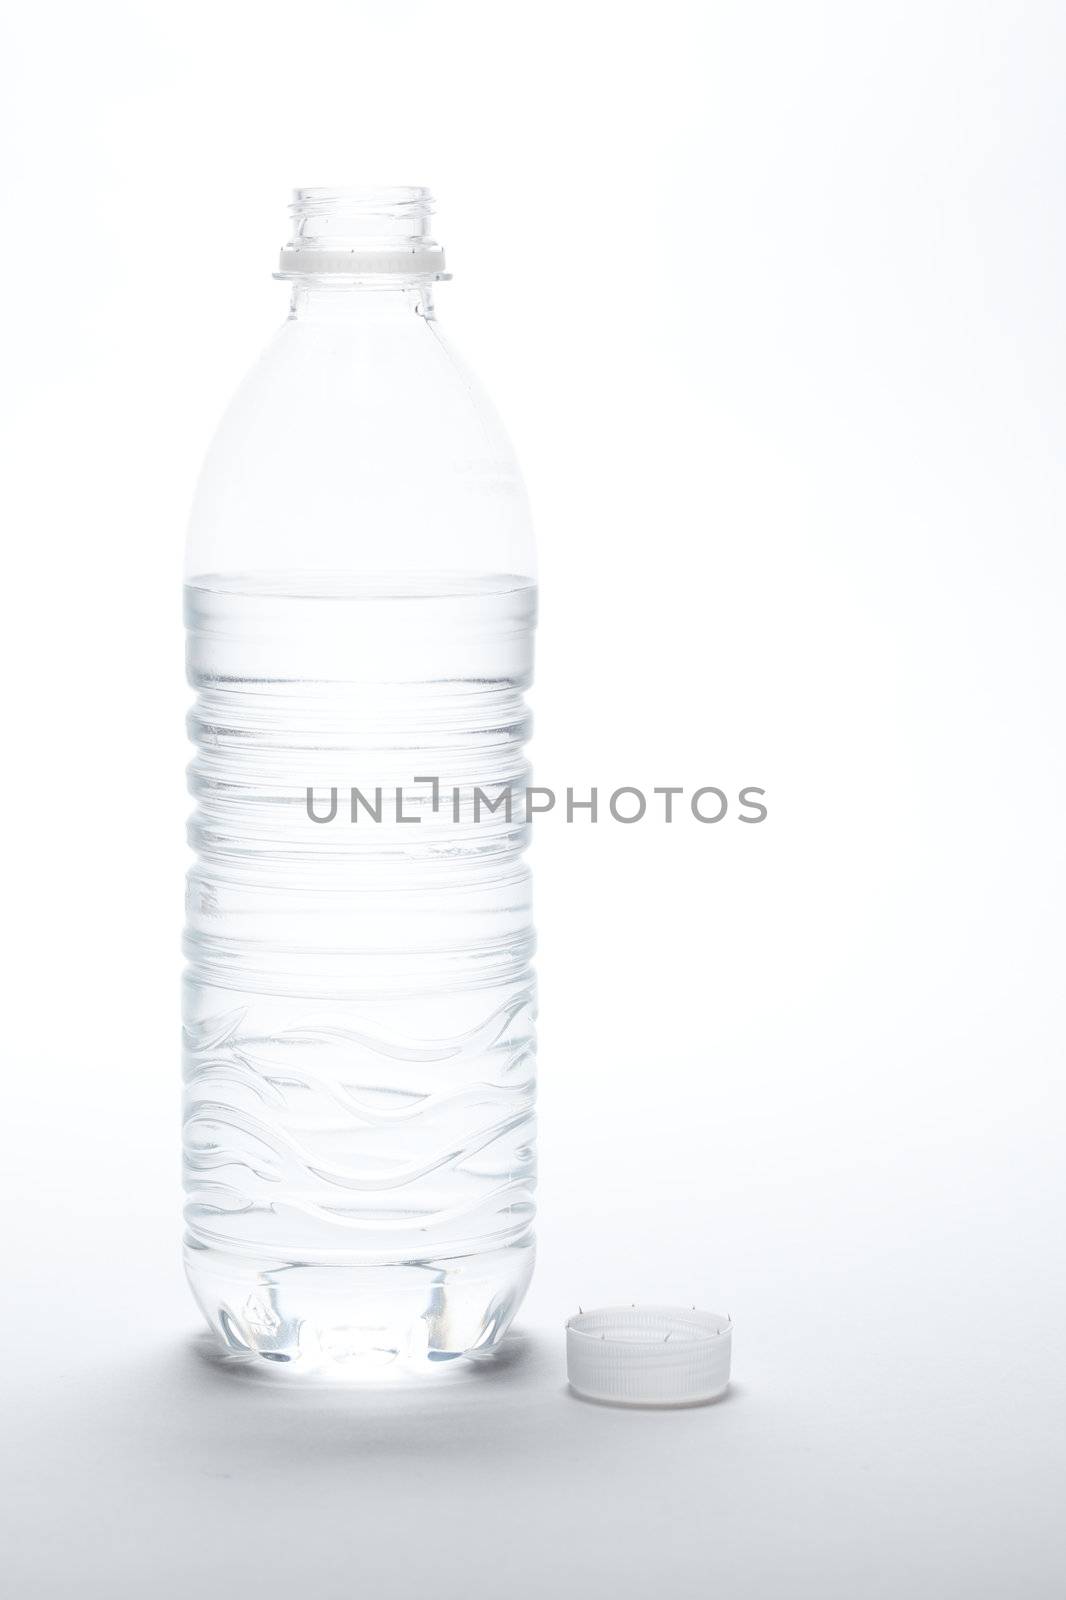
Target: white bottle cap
649, 1355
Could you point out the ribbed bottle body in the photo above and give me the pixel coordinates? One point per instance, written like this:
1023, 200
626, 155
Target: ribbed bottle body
359, 999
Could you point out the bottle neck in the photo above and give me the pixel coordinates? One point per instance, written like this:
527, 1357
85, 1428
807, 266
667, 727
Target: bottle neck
365, 300
361, 253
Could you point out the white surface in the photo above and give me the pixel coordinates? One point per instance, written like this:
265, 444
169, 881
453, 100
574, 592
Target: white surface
892, 1427
796, 466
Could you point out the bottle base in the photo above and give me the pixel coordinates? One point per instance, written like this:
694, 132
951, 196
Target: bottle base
358, 1320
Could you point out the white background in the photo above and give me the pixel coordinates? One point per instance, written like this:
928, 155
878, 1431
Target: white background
771, 299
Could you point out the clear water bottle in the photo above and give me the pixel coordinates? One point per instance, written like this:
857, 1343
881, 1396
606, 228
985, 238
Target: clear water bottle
359, 1002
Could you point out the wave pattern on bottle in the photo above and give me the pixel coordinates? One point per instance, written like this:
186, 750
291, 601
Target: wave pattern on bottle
315, 1109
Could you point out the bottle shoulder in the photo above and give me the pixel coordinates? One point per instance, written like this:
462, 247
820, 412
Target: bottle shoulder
345, 441
378, 379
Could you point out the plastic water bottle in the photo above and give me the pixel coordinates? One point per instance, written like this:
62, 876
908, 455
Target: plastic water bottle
359, 1003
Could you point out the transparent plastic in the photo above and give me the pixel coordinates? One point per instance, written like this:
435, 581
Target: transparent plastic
359, 1000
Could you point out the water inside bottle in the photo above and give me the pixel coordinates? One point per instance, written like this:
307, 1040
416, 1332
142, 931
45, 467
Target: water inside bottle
359, 1000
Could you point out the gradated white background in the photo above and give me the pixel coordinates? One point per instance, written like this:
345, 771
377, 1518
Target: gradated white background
771, 298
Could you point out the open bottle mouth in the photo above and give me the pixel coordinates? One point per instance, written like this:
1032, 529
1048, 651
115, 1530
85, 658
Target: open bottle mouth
362, 232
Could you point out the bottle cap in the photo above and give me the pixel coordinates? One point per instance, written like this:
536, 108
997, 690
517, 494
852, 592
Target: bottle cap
649, 1355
